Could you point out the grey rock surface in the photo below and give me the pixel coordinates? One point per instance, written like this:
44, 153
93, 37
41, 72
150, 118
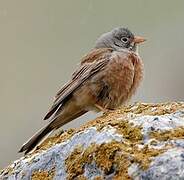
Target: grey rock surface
162, 146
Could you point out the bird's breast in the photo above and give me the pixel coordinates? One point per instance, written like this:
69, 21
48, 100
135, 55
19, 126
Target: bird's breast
123, 75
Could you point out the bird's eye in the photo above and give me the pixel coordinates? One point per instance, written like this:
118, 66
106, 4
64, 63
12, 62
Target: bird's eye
124, 39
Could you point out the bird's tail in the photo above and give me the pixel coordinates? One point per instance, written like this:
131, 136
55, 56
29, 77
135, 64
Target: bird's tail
35, 139
58, 121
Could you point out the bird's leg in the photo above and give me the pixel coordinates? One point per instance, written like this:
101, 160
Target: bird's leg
104, 110
100, 108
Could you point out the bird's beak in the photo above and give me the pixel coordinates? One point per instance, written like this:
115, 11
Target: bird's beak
138, 39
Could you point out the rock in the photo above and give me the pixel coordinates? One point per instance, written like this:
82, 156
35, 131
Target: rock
140, 141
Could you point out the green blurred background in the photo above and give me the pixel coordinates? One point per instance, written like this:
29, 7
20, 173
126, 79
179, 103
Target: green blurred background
41, 41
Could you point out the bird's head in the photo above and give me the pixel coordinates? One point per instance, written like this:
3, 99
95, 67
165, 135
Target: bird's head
119, 38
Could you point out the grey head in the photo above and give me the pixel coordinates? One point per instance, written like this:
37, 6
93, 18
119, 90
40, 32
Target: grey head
119, 38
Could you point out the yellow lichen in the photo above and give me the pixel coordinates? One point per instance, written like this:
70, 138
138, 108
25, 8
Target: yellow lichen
153, 109
131, 134
74, 163
58, 138
177, 133
127, 130
43, 175
115, 153
124, 113
132, 137
98, 178
81, 177
114, 157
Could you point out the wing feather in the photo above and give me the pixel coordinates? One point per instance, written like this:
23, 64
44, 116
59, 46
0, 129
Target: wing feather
85, 71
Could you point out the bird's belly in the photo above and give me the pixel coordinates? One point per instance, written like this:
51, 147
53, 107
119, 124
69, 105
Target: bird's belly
119, 91
123, 78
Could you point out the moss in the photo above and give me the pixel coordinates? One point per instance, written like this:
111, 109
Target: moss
43, 175
114, 157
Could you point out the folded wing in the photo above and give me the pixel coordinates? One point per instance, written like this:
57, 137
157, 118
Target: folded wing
84, 72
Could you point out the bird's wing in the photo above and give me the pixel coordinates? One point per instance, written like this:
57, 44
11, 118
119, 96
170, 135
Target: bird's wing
87, 69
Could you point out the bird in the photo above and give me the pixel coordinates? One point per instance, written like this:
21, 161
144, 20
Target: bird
106, 78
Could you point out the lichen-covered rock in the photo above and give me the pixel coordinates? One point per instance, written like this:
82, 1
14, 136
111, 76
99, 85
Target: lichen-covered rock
142, 141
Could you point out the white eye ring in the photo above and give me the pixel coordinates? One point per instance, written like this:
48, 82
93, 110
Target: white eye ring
124, 39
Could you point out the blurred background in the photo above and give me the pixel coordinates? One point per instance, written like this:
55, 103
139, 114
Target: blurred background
42, 41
